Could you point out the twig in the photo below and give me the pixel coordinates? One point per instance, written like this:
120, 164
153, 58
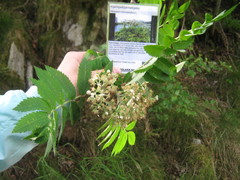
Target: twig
21, 6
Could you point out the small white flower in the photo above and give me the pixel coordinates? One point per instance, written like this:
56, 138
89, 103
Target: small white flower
131, 90
108, 71
120, 117
88, 92
106, 113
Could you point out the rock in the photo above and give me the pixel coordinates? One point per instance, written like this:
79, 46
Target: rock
74, 34
196, 141
29, 74
74, 31
16, 61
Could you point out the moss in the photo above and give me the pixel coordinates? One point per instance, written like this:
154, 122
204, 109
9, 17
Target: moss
9, 80
200, 161
6, 23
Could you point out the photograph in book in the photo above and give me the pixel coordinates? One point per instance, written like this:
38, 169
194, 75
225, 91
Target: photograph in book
130, 28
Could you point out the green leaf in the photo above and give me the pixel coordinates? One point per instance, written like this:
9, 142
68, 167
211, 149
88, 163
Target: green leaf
166, 66
64, 82
113, 137
109, 66
136, 77
184, 7
99, 63
184, 44
180, 65
225, 13
108, 128
62, 115
130, 126
52, 83
169, 51
50, 145
33, 103
131, 138
154, 50
74, 112
208, 18
108, 135
90, 53
151, 79
185, 35
31, 121
196, 25
121, 142
127, 77
84, 74
166, 35
39, 135
163, 10
45, 92
148, 65
159, 75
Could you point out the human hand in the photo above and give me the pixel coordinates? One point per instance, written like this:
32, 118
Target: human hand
70, 64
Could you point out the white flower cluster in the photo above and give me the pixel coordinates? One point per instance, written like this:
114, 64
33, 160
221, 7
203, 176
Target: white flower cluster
123, 104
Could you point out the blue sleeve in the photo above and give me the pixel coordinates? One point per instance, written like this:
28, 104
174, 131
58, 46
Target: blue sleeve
12, 145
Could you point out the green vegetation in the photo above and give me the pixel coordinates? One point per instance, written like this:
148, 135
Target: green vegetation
191, 132
133, 31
